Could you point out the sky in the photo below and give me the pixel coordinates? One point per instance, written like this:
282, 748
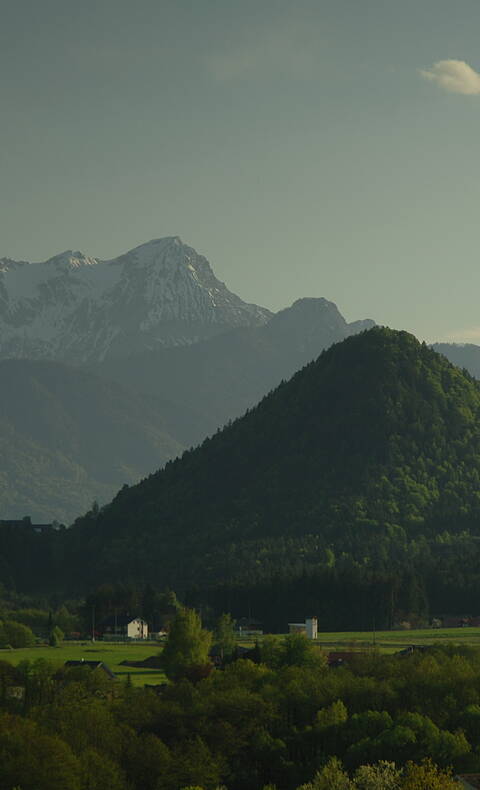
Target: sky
317, 148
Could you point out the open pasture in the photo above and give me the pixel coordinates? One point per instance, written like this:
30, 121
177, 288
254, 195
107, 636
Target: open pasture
388, 641
111, 653
392, 641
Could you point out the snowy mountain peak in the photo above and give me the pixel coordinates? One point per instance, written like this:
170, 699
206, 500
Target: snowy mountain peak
78, 308
71, 259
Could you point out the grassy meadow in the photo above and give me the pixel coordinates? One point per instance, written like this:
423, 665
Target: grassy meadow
392, 641
113, 653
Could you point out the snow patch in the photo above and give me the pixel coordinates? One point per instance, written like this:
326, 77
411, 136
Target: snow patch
79, 309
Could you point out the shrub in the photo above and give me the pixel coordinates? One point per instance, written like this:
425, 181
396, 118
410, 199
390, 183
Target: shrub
17, 634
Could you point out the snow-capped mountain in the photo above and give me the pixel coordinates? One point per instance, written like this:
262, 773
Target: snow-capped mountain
80, 309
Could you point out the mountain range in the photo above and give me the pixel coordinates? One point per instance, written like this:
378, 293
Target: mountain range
151, 339
111, 368
220, 378
367, 458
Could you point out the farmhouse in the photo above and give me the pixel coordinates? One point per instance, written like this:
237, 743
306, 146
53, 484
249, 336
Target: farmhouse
91, 665
125, 627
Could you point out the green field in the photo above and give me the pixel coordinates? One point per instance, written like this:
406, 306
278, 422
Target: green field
111, 653
391, 641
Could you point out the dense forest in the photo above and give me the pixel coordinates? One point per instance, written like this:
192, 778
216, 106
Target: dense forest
281, 721
351, 491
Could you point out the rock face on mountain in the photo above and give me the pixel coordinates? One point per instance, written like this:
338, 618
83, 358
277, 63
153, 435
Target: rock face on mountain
309, 326
218, 379
78, 309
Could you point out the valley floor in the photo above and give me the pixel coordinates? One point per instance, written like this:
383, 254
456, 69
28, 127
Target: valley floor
111, 653
114, 653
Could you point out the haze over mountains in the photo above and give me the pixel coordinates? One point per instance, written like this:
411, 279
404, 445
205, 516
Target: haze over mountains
188, 355
465, 355
368, 456
68, 438
355, 479
163, 354
218, 379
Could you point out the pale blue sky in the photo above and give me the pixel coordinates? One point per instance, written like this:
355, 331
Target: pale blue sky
295, 144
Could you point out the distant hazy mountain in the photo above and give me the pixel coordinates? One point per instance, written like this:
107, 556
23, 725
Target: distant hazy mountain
78, 309
218, 379
67, 438
465, 355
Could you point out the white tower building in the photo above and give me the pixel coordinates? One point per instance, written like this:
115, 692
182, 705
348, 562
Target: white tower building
311, 627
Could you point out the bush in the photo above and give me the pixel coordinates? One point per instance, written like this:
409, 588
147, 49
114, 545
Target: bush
16, 634
36, 619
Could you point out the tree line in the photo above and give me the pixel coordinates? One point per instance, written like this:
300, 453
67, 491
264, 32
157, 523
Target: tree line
285, 721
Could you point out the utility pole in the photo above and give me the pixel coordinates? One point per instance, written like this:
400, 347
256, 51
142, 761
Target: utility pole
93, 622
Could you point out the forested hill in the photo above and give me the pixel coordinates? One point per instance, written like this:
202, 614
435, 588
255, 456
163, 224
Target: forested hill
376, 441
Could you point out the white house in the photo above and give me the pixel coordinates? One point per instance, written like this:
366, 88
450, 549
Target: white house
125, 627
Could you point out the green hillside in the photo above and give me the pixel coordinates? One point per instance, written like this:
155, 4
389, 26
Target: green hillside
380, 436
68, 438
351, 491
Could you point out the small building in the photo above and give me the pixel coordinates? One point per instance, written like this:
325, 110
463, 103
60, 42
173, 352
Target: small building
125, 627
340, 659
309, 627
26, 523
91, 665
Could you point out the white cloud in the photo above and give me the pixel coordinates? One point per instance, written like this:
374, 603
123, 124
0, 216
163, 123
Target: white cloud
454, 76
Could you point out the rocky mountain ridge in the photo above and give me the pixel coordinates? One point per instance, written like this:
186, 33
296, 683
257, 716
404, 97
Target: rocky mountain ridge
75, 308
217, 379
